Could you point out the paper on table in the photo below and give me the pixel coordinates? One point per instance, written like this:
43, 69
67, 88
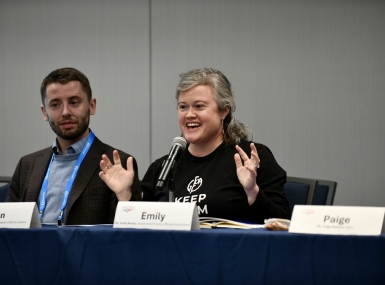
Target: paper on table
211, 222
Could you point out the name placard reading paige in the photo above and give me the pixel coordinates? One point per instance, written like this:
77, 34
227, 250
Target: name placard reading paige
19, 215
337, 220
157, 216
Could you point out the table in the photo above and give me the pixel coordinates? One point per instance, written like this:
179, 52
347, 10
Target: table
104, 255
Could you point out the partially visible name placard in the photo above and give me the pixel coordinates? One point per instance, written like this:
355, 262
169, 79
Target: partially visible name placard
157, 216
19, 215
337, 220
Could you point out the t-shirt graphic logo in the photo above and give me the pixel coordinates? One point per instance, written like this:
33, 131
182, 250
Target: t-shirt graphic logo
194, 184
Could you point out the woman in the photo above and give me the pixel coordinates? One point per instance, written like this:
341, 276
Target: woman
226, 175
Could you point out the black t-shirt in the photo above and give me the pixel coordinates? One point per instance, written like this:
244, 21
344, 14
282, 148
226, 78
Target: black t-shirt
212, 183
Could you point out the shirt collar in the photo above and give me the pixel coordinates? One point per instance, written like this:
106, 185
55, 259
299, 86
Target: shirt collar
74, 148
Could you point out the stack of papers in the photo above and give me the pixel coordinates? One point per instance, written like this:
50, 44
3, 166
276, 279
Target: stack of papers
212, 223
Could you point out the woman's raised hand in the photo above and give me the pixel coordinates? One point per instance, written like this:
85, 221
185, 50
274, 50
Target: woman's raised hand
247, 171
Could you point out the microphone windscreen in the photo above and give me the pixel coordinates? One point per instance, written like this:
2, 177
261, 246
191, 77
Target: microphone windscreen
180, 141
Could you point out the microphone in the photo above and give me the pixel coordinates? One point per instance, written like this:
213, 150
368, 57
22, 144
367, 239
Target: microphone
178, 145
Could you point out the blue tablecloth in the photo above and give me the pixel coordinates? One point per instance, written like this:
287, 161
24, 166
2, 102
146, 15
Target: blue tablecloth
104, 255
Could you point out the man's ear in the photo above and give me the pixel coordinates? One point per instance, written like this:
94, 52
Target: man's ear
93, 106
44, 112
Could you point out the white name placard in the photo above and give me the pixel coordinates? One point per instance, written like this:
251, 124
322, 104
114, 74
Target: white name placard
157, 216
337, 220
19, 215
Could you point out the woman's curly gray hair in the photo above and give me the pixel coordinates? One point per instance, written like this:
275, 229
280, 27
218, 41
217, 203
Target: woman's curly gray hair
234, 130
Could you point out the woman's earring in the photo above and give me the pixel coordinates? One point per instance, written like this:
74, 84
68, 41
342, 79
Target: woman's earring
223, 130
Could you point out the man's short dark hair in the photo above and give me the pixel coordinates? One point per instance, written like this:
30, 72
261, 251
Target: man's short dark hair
63, 76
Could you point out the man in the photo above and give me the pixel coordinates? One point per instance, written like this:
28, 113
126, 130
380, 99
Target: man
64, 179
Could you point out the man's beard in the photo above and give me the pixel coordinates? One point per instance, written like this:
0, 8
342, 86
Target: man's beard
82, 126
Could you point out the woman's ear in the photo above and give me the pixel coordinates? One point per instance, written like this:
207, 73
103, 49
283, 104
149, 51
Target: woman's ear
225, 111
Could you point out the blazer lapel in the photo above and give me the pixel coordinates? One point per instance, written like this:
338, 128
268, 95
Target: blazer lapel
86, 172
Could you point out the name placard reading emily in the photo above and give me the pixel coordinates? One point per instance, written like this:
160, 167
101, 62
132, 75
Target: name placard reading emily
157, 216
19, 215
337, 220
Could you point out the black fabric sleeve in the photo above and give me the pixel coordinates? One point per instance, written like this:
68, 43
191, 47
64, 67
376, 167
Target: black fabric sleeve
148, 183
270, 180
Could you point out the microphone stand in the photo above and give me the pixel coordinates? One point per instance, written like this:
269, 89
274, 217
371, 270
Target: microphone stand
171, 188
